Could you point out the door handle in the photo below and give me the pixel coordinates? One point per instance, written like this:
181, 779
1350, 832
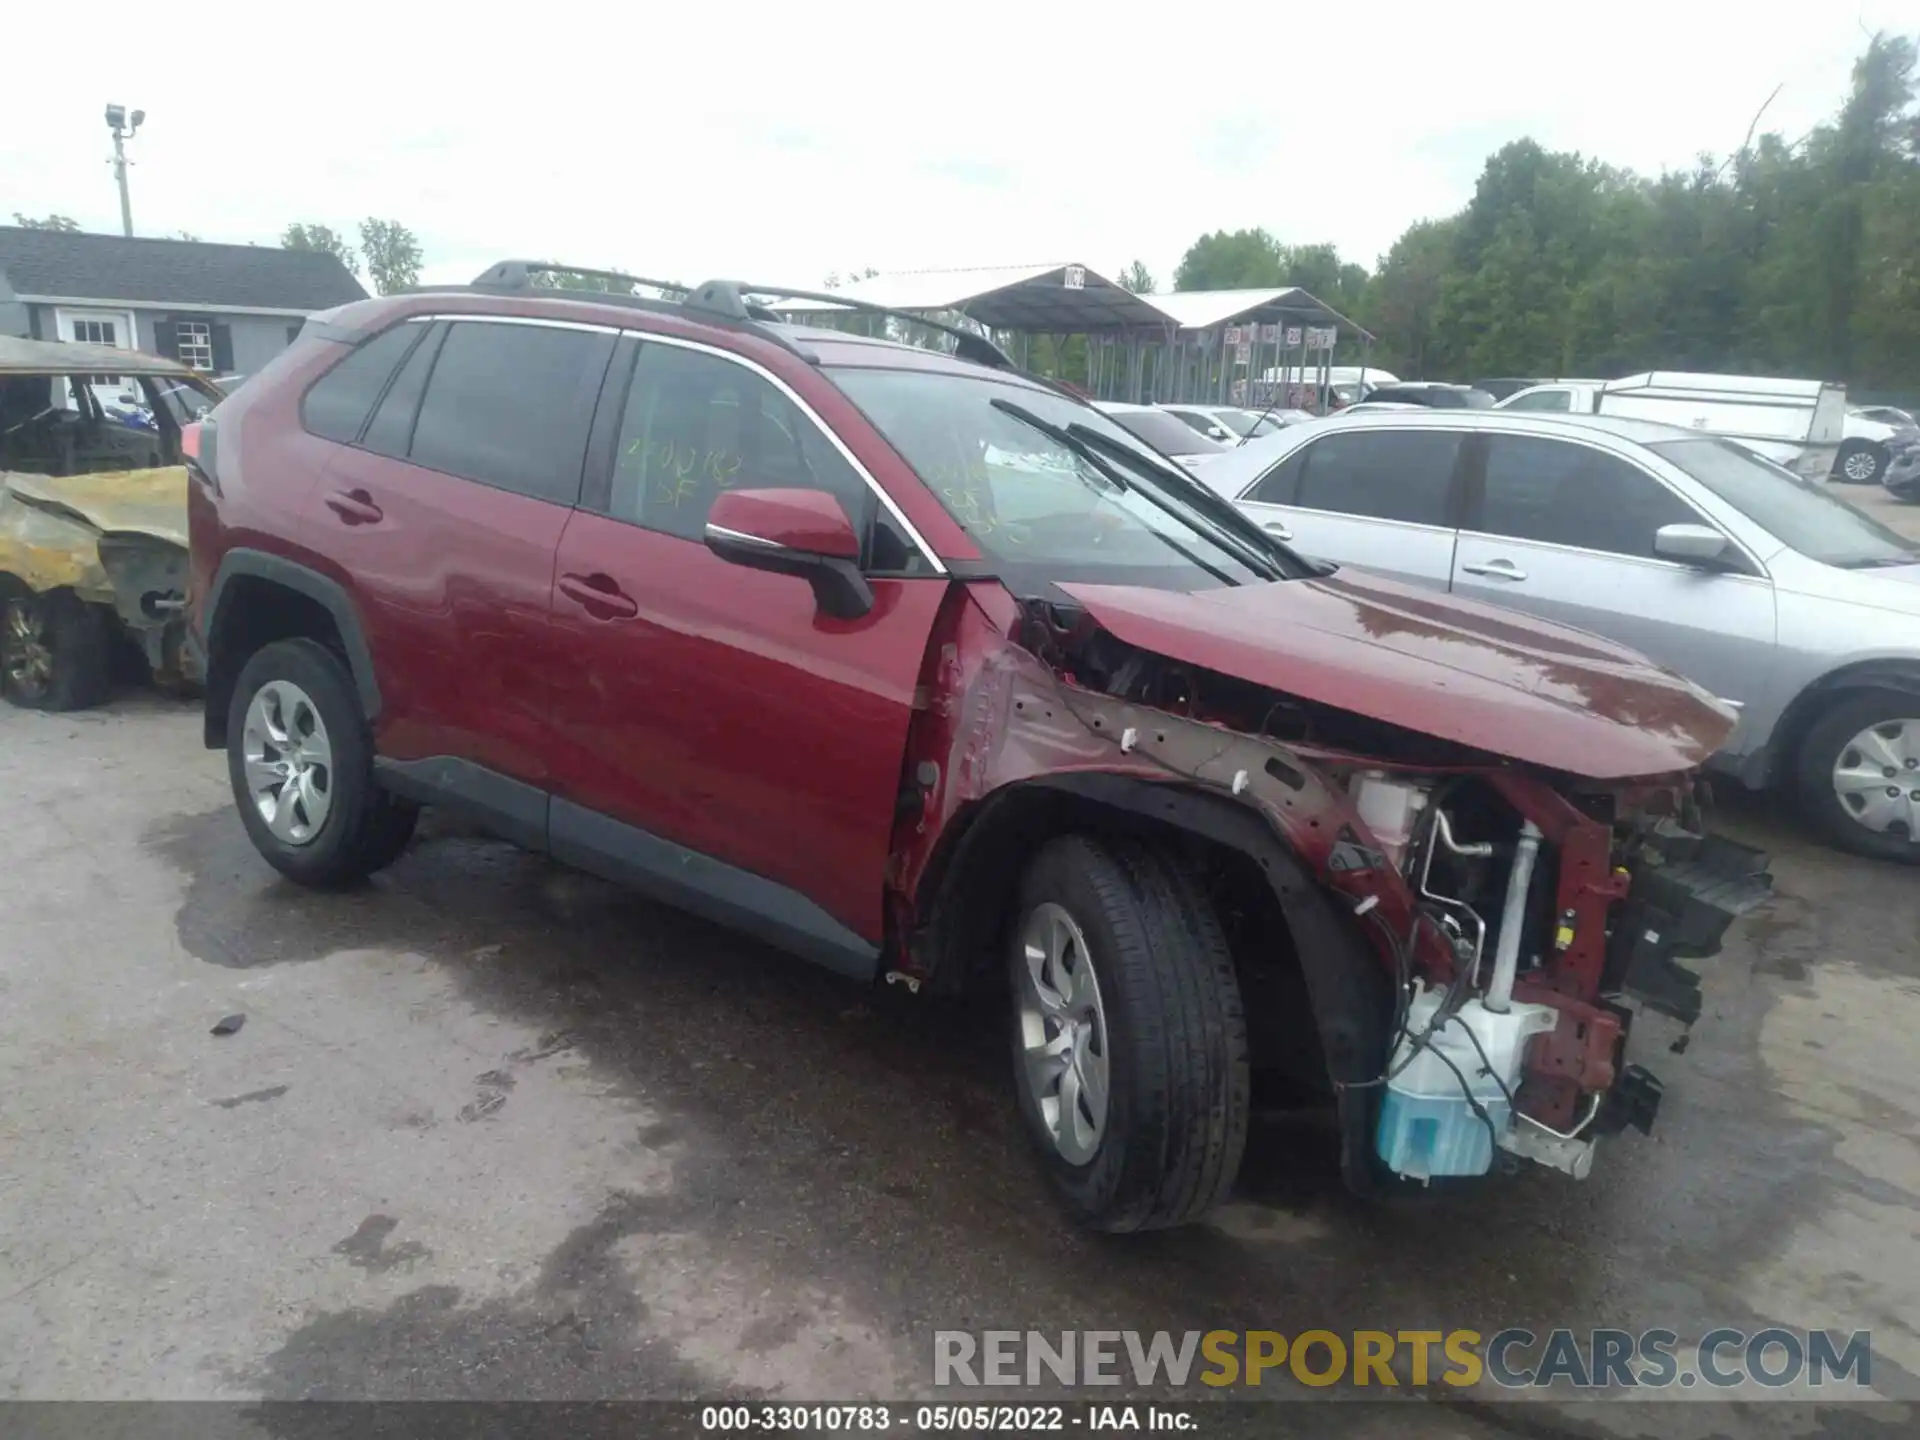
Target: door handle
356, 507
1497, 570
1276, 529
598, 595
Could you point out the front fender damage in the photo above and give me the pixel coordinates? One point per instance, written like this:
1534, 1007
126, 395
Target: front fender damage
997, 721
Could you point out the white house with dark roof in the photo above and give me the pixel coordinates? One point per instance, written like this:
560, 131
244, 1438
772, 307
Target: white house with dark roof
224, 309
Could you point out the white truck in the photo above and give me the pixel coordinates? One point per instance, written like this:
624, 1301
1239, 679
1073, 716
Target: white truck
1801, 424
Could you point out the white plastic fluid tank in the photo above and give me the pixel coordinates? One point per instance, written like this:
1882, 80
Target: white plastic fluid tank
1390, 808
1427, 1127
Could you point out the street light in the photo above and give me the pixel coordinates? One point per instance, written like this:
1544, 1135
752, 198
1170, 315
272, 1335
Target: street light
123, 125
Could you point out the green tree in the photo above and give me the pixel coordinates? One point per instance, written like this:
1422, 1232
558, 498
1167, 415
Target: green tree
318, 237
614, 282
50, 222
1401, 301
1137, 278
1232, 260
393, 254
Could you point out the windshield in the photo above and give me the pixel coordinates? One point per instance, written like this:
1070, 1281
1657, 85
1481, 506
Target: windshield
1803, 514
1036, 506
1165, 433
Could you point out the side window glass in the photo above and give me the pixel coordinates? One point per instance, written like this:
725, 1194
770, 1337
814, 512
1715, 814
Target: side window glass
1560, 400
510, 405
1404, 475
1280, 485
1565, 494
696, 425
337, 405
391, 430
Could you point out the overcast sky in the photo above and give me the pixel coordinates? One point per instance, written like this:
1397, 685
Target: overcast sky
776, 143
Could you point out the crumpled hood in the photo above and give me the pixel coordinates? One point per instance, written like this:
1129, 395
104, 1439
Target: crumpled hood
1455, 669
50, 526
138, 502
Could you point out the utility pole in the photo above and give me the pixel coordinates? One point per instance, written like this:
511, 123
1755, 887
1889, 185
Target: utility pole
123, 125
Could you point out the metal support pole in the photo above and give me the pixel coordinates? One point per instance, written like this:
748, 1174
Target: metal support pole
120, 175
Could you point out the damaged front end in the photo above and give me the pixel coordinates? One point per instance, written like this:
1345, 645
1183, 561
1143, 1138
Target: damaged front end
115, 539
1476, 910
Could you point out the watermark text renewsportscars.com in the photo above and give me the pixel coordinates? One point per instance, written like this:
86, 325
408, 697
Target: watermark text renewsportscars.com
1514, 1359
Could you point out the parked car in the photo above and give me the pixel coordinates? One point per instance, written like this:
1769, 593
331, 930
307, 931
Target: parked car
1431, 394
1230, 424
1344, 384
1797, 423
1759, 584
1869, 445
93, 521
1886, 415
1163, 430
925, 669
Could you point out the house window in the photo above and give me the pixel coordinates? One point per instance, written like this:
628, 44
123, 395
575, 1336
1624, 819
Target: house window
195, 341
98, 332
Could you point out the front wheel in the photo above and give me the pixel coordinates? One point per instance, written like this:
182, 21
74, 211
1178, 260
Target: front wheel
55, 651
1860, 462
1129, 1038
1859, 775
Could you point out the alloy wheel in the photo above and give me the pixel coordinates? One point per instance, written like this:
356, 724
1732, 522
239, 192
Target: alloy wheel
24, 651
289, 761
1861, 466
1063, 1031
1877, 778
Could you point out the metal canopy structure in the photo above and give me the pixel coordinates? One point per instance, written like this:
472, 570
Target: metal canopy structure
1194, 345
1061, 298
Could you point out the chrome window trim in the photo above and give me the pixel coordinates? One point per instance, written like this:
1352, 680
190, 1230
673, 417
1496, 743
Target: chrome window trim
743, 537
482, 317
654, 337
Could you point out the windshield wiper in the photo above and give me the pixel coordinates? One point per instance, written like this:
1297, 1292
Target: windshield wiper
1106, 471
1229, 525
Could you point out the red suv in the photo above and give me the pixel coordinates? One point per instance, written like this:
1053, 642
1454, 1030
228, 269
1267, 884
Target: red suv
921, 667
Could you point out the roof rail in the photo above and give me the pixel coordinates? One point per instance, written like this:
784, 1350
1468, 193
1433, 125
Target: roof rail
733, 300
969, 345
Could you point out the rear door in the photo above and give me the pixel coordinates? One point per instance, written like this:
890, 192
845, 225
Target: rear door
713, 707
443, 516
1564, 529
1384, 500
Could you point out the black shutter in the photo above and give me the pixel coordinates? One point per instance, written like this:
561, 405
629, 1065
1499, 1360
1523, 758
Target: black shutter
222, 348
166, 341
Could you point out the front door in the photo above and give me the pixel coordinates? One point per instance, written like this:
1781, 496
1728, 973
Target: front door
713, 707
1565, 530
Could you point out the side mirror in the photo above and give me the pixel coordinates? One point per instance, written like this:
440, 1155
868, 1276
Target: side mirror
803, 533
1691, 544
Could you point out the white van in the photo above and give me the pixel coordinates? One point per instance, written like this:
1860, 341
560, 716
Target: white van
1795, 423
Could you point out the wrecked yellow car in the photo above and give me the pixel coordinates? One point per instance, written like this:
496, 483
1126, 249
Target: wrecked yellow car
93, 518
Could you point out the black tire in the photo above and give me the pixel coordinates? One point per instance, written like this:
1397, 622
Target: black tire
365, 829
1852, 450
1822, 750
1179, 1088
79, 639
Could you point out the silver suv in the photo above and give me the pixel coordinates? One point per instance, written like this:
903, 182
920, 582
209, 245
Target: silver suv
1766, 588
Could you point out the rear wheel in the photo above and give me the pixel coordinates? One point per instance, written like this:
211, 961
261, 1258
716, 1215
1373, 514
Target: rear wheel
56, 651
1859, 775
300, 757
1129, 1038
1860, 462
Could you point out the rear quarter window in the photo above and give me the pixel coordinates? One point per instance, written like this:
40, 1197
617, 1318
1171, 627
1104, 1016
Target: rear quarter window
338, 403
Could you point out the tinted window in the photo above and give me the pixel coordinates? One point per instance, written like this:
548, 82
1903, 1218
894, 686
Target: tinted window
1166, 434
337, 405
695, 425
1389, 474
1543, 400
1280, 485
1802, 513
1566, 494
509, 405
392, 428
